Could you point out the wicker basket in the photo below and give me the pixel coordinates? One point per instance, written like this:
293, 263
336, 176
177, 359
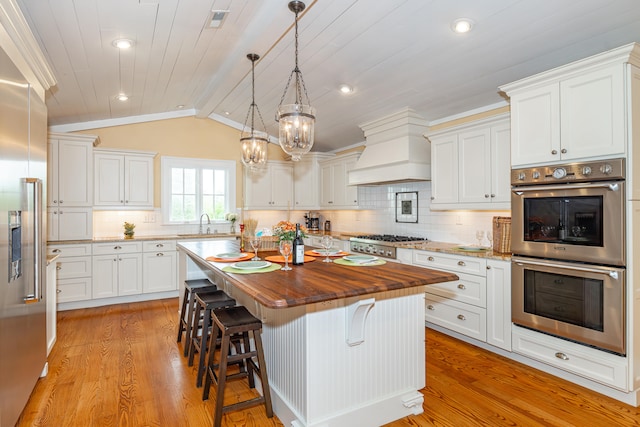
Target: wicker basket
502, 234
269, 243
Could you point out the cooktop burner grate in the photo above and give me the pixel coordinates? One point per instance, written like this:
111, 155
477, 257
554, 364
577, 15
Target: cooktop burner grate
389, 238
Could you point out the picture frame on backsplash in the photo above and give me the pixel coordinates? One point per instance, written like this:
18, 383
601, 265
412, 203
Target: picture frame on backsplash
407, 206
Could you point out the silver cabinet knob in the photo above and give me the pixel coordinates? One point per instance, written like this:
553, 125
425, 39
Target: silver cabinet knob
461, 317
562, 356
159, 254
61, 202
56, 251
430, 307
554, 152
486, 196
563, 151
461, 286
430, 258
461, 263
58, 291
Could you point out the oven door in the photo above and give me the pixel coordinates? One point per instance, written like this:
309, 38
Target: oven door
577, 222
578, 302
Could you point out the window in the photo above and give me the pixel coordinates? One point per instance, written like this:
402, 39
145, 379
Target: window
191, 187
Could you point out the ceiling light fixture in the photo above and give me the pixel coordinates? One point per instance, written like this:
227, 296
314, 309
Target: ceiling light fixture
346, 89
122, 97
123, 43
254, 142
462, 25
297, 120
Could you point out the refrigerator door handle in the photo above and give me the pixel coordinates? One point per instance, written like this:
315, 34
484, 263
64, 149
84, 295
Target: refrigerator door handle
36, 193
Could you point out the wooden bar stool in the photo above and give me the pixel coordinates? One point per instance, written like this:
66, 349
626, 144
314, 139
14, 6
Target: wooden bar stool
188, 303
232, 323
205, 304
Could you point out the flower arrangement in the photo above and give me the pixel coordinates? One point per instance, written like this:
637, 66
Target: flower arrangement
128, 230
287, 231
231, 217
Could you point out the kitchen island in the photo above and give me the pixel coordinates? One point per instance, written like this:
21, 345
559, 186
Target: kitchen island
344, 345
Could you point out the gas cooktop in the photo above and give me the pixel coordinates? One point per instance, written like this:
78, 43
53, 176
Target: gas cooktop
388, 238
380, 244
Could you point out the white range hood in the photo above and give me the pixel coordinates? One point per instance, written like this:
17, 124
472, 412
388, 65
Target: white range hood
395, 151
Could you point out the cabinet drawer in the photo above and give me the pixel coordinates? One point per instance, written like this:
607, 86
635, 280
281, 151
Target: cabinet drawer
73, 267
159, 246
463, 318
74, 289
457, 264
69, 250
469, 289
116, 248
586, 362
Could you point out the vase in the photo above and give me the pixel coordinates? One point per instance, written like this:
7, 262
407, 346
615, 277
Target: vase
232, 229
128, 235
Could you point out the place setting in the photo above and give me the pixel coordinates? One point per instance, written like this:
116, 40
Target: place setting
327, 250
360, 260
249, 267
230, 257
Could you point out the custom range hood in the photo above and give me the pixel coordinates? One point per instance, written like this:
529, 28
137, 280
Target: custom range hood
395, 151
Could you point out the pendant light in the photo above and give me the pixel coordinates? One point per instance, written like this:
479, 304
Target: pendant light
297, 120
254, 142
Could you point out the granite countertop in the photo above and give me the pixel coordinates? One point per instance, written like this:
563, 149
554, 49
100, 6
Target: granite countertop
454, 248
194, 236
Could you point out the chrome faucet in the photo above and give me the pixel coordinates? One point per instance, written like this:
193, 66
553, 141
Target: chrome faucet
208, 223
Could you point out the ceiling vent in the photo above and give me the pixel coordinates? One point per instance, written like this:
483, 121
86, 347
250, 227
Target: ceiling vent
216, 19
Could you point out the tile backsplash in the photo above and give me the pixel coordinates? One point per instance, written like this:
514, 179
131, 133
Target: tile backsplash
375, 216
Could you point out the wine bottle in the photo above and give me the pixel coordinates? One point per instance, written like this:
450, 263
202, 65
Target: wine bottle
298, 248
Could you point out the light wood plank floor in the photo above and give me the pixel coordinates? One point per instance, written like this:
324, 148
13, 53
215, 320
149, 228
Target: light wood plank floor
120, 366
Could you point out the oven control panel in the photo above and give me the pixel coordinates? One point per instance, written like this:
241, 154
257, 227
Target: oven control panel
385, 251
600, 170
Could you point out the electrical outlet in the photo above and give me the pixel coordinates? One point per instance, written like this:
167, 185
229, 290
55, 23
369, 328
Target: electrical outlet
458, 220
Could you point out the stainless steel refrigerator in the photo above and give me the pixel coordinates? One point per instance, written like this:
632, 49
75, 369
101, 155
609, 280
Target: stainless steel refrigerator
23, 157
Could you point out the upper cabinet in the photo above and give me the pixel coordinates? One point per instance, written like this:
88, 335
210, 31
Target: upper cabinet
334, 191
270, 187
573, 112
70, 166
306, 181
470, 165
123, 179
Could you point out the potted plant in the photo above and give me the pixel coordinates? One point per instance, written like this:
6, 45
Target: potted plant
128, 230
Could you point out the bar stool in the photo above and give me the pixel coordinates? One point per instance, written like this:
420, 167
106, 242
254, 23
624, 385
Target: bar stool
188, 303
232, 323
205, 304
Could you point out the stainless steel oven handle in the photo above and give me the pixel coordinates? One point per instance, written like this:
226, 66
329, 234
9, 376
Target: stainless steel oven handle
612, 186
598, 270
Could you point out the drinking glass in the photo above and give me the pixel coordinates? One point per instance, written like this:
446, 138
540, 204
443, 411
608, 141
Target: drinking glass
489, 238
326, 243
479, 236
285, 251
255, 244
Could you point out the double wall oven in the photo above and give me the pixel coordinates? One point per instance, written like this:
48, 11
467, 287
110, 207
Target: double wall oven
568, 241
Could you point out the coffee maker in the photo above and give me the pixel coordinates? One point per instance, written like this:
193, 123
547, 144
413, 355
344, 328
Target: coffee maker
312, 220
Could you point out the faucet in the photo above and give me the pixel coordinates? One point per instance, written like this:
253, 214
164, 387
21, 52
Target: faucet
208, 223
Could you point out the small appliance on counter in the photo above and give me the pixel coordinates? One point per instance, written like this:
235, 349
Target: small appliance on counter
312, 220
327, 226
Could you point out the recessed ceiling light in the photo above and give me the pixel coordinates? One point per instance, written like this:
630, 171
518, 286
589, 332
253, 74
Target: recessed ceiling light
122, 97
462, 25
226, 113
180, 107
346, 89
123, 43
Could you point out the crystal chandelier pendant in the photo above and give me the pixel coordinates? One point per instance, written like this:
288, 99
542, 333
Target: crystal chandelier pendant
254, 142
296, 120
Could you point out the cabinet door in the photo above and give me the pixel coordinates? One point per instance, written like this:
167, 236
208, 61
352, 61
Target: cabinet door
338, 171
592, 114
74, 223
351, 191
159, 272
52, 224
129, 274
474, 166
305, 184
326, 186
282, 185
52, 173
105, 276
109, 180
444, 170
499, 304
70, 290
138, 181
75, 173
535, 126
500, 164
258, 189
51, 294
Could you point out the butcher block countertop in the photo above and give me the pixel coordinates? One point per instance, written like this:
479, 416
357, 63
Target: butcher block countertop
314, 281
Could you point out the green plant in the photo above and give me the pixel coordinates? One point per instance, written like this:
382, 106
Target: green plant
128, 228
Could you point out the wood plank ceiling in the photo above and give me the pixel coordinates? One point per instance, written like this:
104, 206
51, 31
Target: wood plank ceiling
395, 53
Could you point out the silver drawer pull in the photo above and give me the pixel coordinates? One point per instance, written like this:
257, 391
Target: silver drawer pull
58, 291
562, 356
461, 286
56, 251
461, 317
159, 254
117, 247
58, 268
159, 245
430, 307
461, 263
430, 259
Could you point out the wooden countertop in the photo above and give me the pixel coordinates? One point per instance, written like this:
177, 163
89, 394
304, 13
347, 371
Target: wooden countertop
314, 281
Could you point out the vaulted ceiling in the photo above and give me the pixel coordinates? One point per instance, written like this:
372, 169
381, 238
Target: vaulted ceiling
395, 53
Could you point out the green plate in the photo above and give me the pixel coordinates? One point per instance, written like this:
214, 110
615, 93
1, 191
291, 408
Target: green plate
230, 255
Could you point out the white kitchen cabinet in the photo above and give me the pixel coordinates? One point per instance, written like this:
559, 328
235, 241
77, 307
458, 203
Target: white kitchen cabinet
123, 179
70, 170
499, 303
159, 266
306, 181
573, 112
471, 166
335, 193
270, 187
52, 300
69, 223
117, 269
74, 271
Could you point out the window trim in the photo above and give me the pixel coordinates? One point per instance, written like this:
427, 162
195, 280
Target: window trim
168, 162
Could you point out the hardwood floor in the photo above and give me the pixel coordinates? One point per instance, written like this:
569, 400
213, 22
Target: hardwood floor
120, 366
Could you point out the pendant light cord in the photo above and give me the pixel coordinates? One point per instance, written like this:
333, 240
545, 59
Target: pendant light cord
299, 84
253, 107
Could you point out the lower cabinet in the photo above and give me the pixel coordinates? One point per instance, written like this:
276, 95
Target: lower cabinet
51, 305
74, 271
159, 267
117, 269
69, 223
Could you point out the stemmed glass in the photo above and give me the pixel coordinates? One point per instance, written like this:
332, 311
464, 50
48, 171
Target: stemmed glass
285, 251
489, 238
255, 244
326, 243
479, 236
